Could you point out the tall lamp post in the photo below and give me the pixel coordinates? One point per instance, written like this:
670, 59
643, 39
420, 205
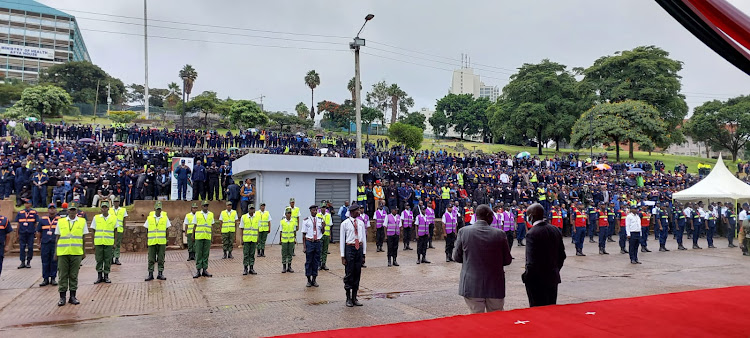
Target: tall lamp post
182, 132
358, 42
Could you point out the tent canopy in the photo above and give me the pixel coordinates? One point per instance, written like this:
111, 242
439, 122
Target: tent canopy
719, 185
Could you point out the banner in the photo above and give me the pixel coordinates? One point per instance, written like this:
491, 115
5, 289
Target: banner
33, 52
175, 164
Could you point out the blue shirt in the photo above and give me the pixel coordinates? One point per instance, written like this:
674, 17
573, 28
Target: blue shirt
5, 229
47, 227
199, 173
27, 220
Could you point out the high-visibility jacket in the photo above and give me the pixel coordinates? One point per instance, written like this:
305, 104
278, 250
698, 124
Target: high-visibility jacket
105, 230
520, 218
645, 219
557, 219
157, 230
460, 178
287, 231
227, 221
446, 193
119, 213
250, 230
580, 219
603, 219
378, 191
623, 217
468, 212
262, 217
533, 178
71, 237
542, 194
361, 195
203, 225
327, 221
191, 225
295, 216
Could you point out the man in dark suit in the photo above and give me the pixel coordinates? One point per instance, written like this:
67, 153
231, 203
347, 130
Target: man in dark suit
545, 255
484, 251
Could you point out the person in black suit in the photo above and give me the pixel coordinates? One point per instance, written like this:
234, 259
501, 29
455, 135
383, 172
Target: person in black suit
545, 255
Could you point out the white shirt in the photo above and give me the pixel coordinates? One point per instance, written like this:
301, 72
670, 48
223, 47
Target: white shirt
205, 216
703, 213
169, 224
189, 219
221, 216
125, 215
85, 228
347, 233
93, 222
310, 224
743, 216
688, 212
504, 178
632, 223
242, 221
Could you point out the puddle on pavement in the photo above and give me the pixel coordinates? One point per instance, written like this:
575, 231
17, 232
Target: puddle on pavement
321, 302
387, 295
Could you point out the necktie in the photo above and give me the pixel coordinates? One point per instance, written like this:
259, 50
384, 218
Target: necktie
315, 230
356, 234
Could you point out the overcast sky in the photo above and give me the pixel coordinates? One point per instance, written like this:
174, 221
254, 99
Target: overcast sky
429, 36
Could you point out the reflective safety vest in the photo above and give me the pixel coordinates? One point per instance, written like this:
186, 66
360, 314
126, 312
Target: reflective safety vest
250, 231
190, 225
263, 219
542, 194
460, 178
603, 219
378, 191
227, 221
446, 195
557, 219
203, 225
520, 218
157, 231
580, 219
468, 212
287, 231
361, 195
533, 178
327, 223
645, 220
450, 223
71, 237
295, 215
104, 234
119, 213
623, 217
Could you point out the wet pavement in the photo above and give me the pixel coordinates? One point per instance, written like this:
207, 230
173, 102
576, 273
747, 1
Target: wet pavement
272, 303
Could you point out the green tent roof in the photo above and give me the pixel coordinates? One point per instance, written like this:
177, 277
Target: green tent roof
32, 6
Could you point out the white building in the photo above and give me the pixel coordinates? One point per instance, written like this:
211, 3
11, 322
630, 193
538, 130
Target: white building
465, 82
490, 92
305, 178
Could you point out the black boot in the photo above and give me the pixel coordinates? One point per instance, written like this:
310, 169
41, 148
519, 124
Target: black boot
73, 299
389, 261
447, 257
225, 255
520, 243
150, 276
324, 267
580, 253
61, 302
229, 255
99, 278
283, 269
117, 261
53, 281
251, 271
622, 251
309, 281
394, 262
680, 247
160, 276
244, 272
315, 281
424, 259
206, 274
45, 282
289, 268
355, 302
695, 246
349, 298
106, 278
419, 260
197, 273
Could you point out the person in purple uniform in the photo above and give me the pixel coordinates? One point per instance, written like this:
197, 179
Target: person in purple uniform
407, 219
423, 232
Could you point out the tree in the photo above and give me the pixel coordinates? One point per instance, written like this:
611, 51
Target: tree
80, 80
339, 115
246, 114
173, 97
408, 135
458, 109
301, 109
350, 87
312, 80
537, 102
136, 93
370, 115
43, 101
156, 96
414, 119
11, 92
282, 119
378, 97
188, 74
722, 125
616, 123
207, 103
644, 73
126, 116
399, 101
439, 123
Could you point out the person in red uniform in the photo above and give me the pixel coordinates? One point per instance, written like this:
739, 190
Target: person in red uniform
556, 217
603, 226
623, 232
579, 219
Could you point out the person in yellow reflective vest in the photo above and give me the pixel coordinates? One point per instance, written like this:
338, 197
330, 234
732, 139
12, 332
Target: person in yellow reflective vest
295, 219
203, 226
120, 214
264, 227
157, 224
249, 226
362, 196
189, 223
287, 240
325, 215
228, 220
104, 226
70, 231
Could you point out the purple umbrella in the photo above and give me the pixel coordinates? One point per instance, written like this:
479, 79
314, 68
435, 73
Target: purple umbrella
86, 140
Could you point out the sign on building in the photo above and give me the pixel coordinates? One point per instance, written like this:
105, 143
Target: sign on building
26, 51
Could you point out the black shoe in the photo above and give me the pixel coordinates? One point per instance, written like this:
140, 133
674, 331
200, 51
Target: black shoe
681, 247
746, 253
61, 302
645, 250
580, 253
225, 255
293, 254
610, 240
251, 271
289, 268
633, 262
592, 241
324, 267
309, 282
521, 244
622, 251
696, 247
117, 261
21, 266
391, 264
244, 272
315, 281
229, 255
45, 282
106, 278
419, 260
197, 274
349, 299
99, 278
662, 249
151, 276
430, 247
283, 269
732, 245
604, 251
355, 302
206, 274
711, 247
53, 281
28, 264
73, 299
160, 276
424, 259
394, 262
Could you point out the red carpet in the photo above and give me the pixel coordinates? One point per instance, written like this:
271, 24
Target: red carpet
721, 312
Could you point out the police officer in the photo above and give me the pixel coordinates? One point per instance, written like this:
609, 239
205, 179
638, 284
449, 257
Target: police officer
70, 231
730, 219
593, 221
680, 220
295, 219
212, 173
449, 225
46, 228
612, 220
287, 240
264, 219
312, 232
27, 220
603, 227
249, 226
5, 229
353, 248
392, 230
183, 176
203, 225
228, 220
120, 214
157, 224
104, 226
645, 223
663, 227
698, 224
579, 221
324, 214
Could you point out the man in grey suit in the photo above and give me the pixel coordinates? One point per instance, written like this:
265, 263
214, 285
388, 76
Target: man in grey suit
484, 251
545, 254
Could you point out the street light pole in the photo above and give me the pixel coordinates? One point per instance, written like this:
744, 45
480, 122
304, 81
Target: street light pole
356, 44
145, 49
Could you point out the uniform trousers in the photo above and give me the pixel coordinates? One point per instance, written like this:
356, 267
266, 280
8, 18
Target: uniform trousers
227, 241
422, 245
730, 232
481, 305
248, 253
623, 237
679, 231
450, 241
118, 244
26, 242
407, 236
262, 236
49, 265
663, 234
287, 249
202, 249
353, 268
696, 233
67, 268
579, 236
191, 243
213, 189
103, 255
156, 254
611, 229
603, 233
509, 235
520, 232
432, 232
312, 257
710, 235
644, 236
635, 240
324, 249
393, 246
379, 236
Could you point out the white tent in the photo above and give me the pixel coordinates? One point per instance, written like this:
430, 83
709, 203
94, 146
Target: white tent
720, 185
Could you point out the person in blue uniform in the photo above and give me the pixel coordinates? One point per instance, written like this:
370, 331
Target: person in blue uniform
5, 229
612, 220
27, 220
730, 219
681, 220
593, 219
46, 228
662, 225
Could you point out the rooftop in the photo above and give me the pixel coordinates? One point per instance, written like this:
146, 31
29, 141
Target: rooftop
32, 6
297, 163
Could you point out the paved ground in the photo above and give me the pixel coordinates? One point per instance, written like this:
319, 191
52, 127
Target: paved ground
270, 303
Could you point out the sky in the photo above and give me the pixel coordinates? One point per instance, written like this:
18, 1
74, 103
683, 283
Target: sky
249, 49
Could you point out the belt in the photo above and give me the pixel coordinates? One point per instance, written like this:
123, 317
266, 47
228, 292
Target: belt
310, 240
352, 244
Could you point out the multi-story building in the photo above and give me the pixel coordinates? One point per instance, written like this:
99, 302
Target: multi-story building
33, 37
466, 82
489, 92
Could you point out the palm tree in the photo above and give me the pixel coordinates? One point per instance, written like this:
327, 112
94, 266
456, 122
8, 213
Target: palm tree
172, 98
399, 99
188, 76
351, 87
312, 80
